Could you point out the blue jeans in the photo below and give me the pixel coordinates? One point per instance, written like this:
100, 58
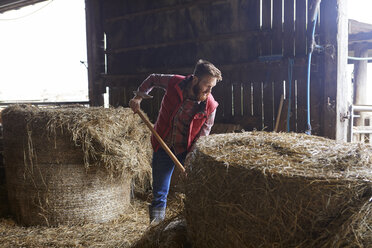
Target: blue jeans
162, 170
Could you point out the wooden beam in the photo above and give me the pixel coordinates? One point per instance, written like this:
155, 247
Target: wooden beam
289, 28
95, 52
360, 83
250, 71
250, 34
356, 27
361, 37
163, 9
300, 33
334, 27
356, 45
7, 5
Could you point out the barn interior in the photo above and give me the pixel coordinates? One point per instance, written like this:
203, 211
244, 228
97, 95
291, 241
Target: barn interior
284, 65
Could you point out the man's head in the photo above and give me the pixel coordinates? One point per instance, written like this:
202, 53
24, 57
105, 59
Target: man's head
206, 76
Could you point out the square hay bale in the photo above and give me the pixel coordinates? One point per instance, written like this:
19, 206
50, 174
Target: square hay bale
72, 165
258, 189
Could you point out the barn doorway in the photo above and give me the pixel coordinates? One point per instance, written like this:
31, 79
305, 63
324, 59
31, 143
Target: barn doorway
43, 53
360, 70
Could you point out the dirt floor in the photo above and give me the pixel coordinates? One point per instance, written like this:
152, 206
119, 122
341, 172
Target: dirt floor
122, 232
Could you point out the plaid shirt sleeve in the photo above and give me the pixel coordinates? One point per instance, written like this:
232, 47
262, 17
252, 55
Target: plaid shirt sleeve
207, 126
153, 80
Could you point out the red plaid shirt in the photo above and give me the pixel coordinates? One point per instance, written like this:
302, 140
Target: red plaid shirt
178, 135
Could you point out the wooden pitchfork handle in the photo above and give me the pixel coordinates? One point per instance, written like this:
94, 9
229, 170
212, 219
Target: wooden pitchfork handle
162, 143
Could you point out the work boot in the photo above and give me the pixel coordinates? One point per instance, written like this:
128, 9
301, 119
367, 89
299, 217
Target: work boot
156, 214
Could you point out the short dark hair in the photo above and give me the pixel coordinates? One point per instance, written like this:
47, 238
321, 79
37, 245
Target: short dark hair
204, 67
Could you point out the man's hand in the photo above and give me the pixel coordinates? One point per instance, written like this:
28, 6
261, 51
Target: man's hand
135, 103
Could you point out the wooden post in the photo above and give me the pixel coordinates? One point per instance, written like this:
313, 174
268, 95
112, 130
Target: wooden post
360, 86
95, 50
360, 81
334, 33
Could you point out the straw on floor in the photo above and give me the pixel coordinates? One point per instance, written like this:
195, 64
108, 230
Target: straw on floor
122, 232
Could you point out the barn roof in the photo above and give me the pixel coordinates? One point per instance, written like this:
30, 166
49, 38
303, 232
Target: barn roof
6, 5
360, 34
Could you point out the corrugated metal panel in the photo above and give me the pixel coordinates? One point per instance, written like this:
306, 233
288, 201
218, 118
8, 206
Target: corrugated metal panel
6, 5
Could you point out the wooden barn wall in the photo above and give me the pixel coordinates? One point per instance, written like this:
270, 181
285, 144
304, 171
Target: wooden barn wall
168, 36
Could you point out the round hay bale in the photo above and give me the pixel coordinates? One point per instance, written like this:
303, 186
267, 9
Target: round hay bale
72, 165
258, 189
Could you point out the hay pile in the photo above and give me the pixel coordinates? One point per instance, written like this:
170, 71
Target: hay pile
170, 233
258, 189
123, 232
72, 165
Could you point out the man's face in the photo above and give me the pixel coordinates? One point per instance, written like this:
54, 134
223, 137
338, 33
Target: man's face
203, 87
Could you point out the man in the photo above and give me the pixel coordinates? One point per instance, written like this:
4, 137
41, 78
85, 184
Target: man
187, 112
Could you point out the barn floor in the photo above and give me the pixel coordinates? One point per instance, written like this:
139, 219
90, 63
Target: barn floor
122, 232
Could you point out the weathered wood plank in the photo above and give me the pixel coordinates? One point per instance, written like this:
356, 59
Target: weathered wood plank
278, 93
116, 10
250, 19
268, 105
316, 100
300, 75
250, 71
288, 28
139, 62
282, 127
294, 116
300, 34
277, 46
118, 96
247, 99
291, 101
335, 32
95, 52
164, 27
237, 92
218, 94
227, 99
113, 97
237, 98
266, 25
257, 103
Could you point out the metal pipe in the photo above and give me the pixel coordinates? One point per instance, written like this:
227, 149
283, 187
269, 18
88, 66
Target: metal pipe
315, 10
357, 58
362, 108
314, 18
